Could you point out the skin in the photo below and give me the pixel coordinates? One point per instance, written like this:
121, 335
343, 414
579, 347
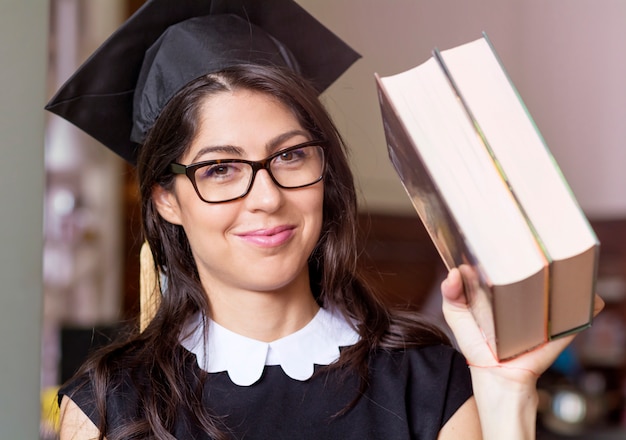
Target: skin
257, 281
505, 392
74, 424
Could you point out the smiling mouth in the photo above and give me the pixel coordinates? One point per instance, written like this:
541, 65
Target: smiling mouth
269, 237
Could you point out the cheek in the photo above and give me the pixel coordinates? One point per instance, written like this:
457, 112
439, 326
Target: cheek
315, 206
194, 213
204, 223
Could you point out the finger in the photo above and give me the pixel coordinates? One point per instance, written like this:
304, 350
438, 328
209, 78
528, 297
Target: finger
598, 305
452, 288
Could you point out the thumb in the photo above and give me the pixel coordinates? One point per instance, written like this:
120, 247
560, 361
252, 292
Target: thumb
452, 289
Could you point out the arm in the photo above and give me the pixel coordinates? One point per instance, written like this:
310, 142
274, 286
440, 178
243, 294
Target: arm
75, 425
505, 392
463, 424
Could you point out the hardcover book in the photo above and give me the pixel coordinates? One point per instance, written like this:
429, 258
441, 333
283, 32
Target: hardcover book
491, 196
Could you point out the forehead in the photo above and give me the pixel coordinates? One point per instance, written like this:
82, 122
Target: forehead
242, 118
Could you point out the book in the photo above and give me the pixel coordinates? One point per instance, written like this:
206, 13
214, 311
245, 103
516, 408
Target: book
491, 196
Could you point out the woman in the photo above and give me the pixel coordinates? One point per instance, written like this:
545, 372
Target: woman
260, 265
266, 328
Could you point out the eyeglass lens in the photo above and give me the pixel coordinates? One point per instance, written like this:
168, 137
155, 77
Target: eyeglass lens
290, 168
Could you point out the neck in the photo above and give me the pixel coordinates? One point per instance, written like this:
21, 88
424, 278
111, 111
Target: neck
264, 316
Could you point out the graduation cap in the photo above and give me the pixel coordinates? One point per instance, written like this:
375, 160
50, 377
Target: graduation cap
117, 94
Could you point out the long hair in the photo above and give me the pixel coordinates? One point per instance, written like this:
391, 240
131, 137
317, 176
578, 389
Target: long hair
335, 274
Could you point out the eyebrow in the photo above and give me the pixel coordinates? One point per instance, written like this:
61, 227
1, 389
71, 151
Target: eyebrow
281, 138
238, 151
228, 149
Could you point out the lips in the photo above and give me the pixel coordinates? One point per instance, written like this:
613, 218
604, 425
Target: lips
269, 237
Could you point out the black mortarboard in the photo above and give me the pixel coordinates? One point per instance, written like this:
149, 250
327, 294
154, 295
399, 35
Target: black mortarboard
168, 43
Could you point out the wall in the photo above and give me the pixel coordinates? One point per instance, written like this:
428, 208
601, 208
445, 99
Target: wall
566, 58
23, 51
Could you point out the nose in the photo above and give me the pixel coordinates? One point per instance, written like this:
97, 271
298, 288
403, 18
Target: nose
265, 194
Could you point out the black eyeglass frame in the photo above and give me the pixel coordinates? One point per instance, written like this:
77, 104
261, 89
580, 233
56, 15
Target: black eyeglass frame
190, 170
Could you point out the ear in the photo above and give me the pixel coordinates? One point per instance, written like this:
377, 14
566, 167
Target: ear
167, 204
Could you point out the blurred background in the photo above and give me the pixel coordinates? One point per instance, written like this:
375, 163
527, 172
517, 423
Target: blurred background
568, 61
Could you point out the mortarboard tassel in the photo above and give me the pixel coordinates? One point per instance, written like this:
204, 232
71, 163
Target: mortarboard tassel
149, 289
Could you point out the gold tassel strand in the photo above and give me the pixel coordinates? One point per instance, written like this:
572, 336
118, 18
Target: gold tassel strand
149, 291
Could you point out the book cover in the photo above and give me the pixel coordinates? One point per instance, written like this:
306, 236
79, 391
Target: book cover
486, 187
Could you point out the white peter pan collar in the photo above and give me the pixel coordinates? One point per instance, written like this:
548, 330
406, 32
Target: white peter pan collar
244, 358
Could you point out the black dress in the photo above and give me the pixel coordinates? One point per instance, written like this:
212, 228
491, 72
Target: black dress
410, 395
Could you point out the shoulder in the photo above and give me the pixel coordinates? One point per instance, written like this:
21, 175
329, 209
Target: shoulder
425, 359
432, 366
433, 379
118, 390
74, 423
80, 398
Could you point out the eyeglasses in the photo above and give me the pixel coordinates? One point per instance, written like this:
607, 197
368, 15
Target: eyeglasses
224, 180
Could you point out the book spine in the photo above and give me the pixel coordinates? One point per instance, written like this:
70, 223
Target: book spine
433, 211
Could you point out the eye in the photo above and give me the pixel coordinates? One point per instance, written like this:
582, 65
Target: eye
292, 156
220, 171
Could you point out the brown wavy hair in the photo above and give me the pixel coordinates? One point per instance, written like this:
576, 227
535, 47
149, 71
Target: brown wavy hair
336, 276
